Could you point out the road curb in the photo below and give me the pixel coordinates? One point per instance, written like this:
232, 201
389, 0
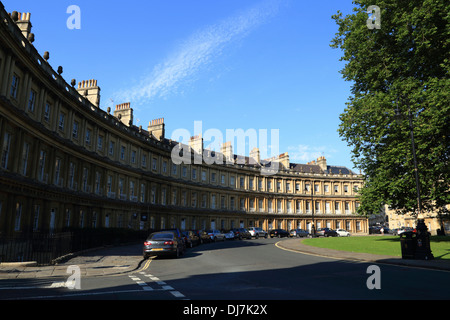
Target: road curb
18, 264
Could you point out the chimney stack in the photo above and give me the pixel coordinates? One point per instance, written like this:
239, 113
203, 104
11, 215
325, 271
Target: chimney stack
125, 113
196, 143
157, 128
322, 162
23, 22
284, 160
255, 157
90, 90
227, 150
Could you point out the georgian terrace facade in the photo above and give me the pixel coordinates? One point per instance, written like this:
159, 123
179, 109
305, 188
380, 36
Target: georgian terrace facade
65, 162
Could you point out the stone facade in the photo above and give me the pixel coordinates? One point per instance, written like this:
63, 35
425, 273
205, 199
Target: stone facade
65, 162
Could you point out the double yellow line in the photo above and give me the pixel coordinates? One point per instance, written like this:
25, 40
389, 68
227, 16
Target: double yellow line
147, 264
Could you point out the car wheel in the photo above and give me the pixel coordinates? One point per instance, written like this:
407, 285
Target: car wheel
257, 236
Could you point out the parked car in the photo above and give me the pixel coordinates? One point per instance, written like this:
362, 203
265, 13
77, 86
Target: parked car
163, 243
393, 231
326, 232
242, 233
299, 233
229, 234
216, 235
404, 229
374, 230
257, 232
203, 236
191, 238
343, 233
278, 233
178, 233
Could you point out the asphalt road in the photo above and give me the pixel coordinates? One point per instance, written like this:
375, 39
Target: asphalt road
249, 270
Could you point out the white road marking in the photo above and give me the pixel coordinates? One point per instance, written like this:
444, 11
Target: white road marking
167, 288
163, 285
177, 294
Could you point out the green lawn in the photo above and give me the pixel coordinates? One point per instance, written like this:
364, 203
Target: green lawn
384, 245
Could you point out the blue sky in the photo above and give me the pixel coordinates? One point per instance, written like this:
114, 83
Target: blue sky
232, 64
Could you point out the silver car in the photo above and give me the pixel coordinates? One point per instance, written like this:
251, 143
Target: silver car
300, 233
216, 235
342, 233
163, 243
257, 232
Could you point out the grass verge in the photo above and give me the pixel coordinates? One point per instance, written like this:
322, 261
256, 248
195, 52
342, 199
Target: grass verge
383, 245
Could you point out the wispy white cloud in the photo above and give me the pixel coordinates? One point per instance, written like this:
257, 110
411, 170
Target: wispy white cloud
197, 52
305, 153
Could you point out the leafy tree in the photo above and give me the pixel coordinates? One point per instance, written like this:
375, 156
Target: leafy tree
399, 72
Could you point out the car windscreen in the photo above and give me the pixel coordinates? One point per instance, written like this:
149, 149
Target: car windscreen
161, 236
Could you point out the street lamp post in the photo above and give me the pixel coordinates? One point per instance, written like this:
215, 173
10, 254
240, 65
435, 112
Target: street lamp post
423, 249
313, 227
422, 246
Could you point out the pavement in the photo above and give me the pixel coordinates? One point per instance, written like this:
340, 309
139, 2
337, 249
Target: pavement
110, 261
105, 261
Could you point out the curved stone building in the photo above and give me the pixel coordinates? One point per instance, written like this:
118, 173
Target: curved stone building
65, 162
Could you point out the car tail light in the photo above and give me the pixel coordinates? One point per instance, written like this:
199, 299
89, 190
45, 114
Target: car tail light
168, 243
147, 243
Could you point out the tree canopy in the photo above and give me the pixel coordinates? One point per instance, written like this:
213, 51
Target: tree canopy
397, 71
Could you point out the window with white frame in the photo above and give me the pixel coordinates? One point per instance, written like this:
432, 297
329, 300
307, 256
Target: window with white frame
213, 201
88, 136
18, 216
25, 152
41, 170
61, 121
14, 86
112, 145
47, 110
153, 195
100, 143
142, 192
98, 178
37, 209
194, 199
75, 129
32, 101
85, 179
57, 171
6, 150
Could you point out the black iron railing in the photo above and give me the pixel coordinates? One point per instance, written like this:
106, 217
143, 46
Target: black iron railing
45, 248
